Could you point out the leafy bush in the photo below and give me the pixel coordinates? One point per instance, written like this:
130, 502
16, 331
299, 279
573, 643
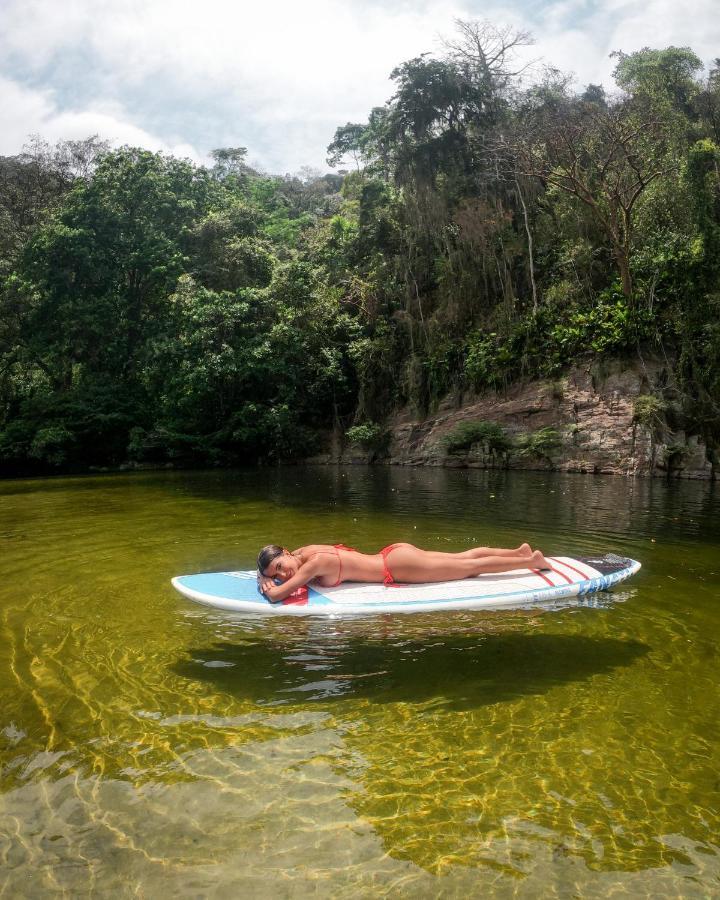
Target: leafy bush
488, 359
649, 410
465, 434
539, 443
52, 444
611, 326
675, 453
369, 436
556, 337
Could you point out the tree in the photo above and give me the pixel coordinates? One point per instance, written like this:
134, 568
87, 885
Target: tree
605, 157
34, 183
230, 162
226, 251
702, 176
488, 53
106, 264
707, 102
350, 140
660, 77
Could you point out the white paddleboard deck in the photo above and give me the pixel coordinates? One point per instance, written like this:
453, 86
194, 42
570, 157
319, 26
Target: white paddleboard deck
567, 577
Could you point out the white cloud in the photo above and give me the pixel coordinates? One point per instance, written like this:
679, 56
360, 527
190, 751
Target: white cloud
277, 76
661, 23
27, 111
582, 44
263, 73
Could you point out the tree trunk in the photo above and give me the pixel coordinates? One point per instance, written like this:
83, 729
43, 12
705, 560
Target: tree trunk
531, 259
623, 264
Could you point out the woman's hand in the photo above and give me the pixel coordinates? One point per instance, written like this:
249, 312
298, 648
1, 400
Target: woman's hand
264, 584
276, 592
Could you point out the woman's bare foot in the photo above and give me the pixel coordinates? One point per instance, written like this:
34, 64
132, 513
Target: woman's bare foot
523, 550
538, 561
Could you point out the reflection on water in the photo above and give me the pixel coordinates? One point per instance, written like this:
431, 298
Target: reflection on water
463, 672
148, 745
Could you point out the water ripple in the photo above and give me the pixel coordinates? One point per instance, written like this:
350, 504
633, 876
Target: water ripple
147, 745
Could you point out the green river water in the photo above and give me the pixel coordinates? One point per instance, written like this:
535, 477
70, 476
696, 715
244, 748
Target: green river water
150, 746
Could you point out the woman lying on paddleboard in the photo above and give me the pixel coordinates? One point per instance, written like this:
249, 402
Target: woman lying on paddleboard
329, 565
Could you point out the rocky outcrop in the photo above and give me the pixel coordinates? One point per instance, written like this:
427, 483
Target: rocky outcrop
586, 421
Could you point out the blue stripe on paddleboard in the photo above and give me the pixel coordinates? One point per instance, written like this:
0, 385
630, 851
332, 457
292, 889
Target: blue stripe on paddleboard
239, 586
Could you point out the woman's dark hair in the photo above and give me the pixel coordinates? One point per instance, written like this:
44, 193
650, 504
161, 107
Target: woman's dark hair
267, 555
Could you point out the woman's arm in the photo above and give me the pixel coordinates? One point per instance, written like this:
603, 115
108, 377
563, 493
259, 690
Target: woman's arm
277, 592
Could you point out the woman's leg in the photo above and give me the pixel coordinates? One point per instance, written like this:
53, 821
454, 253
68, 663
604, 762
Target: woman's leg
479, 552
410, 565
524, 550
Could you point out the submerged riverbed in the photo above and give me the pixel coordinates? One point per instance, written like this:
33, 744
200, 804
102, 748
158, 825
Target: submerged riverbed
149, 746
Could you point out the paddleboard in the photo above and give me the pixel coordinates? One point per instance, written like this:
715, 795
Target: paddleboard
567, 577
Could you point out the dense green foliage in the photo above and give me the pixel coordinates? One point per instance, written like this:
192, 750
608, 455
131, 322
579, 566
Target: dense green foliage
488, 434
369, 436
160, 312
155, 311
540, 443
493, 438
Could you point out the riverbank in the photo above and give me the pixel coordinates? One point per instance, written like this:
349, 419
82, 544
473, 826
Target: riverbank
610, 418
603, 418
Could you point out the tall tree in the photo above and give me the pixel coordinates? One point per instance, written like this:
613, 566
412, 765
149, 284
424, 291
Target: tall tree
605, 156
106, 264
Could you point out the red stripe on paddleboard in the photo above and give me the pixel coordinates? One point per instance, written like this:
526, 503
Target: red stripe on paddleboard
544, 577
561, 574
583, 575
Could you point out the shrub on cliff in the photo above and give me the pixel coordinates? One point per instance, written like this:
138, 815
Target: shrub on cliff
541, 443
369, 436
649, 410
465, 434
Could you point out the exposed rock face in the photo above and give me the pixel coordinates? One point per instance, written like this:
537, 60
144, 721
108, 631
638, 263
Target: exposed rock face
591, 415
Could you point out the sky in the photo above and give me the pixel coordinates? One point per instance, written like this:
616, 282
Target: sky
277, 76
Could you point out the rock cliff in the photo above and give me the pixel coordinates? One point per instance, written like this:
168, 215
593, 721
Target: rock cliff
609, 419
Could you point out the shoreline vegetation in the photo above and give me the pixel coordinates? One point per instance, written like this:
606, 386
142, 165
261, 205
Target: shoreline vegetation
503, 270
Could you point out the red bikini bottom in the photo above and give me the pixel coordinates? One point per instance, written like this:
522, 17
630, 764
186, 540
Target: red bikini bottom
385, 552
387, 574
